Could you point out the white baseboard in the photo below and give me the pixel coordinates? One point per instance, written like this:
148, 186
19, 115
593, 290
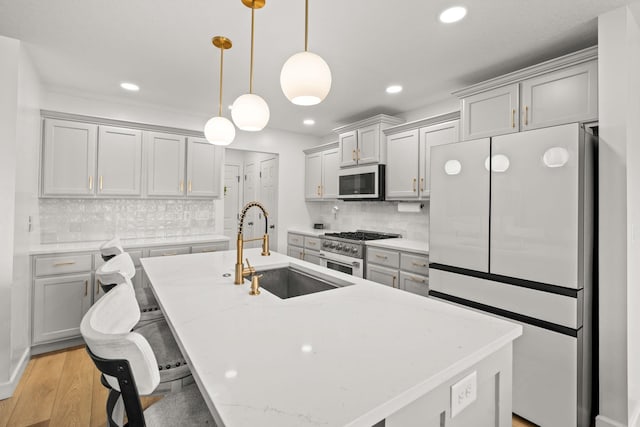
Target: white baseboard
602, 421
7, 388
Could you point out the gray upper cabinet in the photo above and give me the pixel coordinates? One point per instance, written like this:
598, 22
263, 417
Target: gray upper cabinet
119, 161
559, 91
409, 154
313, 176
166, 164
69, 158
203, 168
490, 113
363, 142
330, 167
321, 172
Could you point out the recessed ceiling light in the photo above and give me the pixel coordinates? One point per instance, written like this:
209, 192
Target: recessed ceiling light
453, 14
130, 86
394, 89
309, 122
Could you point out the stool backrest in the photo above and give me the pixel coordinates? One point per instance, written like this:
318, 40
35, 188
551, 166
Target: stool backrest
106, 329
111, 248
117, 270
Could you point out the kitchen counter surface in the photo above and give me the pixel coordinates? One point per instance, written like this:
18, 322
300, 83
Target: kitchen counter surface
308, 231
416, 246
350, 356
51, 248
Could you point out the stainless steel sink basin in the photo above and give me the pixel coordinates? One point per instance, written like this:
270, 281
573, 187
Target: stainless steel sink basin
289, 282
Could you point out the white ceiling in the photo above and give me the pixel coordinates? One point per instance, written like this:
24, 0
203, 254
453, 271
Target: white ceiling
90, 46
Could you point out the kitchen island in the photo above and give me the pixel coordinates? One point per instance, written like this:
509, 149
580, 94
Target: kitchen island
351, 356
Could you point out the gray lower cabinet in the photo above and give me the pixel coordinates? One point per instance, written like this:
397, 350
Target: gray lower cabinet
303, 247
58, 306
403, 270
64, 287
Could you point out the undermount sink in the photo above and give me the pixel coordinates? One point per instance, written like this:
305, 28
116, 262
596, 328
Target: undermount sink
289, 282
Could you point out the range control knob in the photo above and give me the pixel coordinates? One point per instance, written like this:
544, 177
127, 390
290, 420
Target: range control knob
332, 245
339, 247
354, 250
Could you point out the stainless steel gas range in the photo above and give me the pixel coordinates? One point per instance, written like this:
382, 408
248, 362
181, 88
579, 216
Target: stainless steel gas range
346, 251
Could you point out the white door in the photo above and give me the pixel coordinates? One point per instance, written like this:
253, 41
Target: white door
202, 168
443, 133
69, 164
269, 198
250, 193
402, 165
166, 160
535, 205
459, 207
119, 161
231, 202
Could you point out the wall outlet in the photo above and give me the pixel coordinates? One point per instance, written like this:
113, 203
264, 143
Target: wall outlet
463, 393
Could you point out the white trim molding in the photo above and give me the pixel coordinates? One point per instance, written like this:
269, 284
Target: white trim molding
7, 388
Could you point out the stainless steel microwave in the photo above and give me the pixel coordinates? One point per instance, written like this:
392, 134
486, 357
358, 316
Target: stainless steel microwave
361, 183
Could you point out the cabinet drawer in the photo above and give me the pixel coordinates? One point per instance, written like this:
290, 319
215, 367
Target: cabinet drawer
295, 239
169, 251
414, 263
383, 257
295, 252
210, 247
414, 283
46, 265
382, 275
312, 243
134, 254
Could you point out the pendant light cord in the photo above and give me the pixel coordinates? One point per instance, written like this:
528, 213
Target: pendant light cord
221, 62
253, 10
306, 26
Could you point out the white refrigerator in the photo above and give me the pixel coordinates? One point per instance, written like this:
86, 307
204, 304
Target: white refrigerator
511, 234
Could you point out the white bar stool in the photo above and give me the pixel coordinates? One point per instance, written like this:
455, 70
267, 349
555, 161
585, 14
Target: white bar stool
149, 307
128, 365
173, 369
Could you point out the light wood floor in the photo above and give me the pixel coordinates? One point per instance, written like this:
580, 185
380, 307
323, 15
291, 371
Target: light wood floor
63, 389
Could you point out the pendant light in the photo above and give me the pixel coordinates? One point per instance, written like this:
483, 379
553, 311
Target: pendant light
305, 77
249, 111
219, 130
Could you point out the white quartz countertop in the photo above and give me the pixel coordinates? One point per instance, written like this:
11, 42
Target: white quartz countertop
345, 357
407, 245
308, 231
50, 248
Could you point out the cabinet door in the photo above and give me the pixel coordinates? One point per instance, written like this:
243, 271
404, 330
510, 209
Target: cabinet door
432, 136
564, 96
402, 165
69, 158
535, 205
166, 162
119, 161
382, 275
490, 113
368, 150
459, 207
348, 148
311, 256
295, 252
414, 283
203, 168
313, 176
330, 167
59, 303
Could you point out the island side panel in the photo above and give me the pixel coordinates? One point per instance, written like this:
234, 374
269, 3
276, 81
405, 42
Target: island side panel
492, 407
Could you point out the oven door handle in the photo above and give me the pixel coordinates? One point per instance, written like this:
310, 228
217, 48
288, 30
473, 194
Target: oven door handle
353, 263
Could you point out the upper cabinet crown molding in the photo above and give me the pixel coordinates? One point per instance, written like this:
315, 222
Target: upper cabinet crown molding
379, 119
574, 58
322, 147
427, 121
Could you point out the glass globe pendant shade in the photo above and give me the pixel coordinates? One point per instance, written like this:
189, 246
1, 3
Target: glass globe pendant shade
250, 112
219, 131
305, 78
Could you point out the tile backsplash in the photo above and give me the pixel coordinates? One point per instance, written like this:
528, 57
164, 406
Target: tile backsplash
376, 216
70, 220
